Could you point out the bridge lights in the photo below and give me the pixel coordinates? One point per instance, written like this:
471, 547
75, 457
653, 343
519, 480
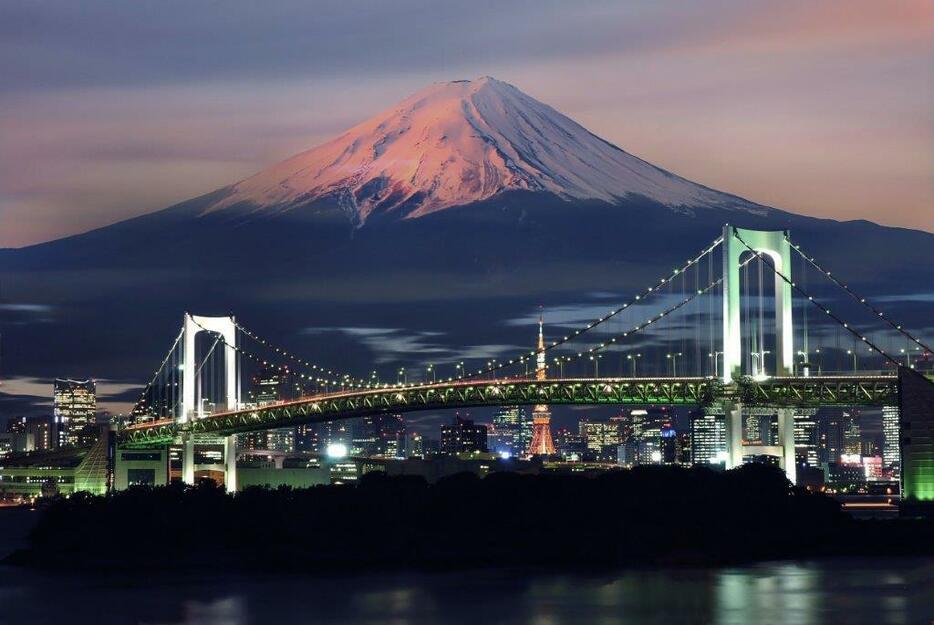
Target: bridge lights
852, 353
673, 358
596, 364
715, 356
632, 358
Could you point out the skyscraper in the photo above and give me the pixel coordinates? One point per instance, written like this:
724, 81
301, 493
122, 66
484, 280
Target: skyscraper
74, 409
511, 431
891, 453
463, 436
542, 443
708, 438
805, 432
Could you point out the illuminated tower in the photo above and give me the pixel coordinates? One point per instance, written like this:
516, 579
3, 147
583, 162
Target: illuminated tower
542, 444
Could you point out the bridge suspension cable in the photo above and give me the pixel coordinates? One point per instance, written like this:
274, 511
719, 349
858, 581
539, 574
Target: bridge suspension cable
310, 365
351, 382
596, 322
825, 310
155, 376
856, 297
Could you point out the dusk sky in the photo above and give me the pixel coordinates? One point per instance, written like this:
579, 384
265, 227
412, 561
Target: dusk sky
109, 110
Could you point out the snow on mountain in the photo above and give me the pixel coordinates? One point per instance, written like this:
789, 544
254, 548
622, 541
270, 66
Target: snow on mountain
459, 142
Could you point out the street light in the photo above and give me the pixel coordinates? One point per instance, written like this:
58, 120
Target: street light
674, 363
632, 360
716, 362
596, 365
759, 370
853, 354
820, 361
430, 373
560, 364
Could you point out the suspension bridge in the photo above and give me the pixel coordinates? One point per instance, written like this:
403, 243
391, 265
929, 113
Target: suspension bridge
746, 324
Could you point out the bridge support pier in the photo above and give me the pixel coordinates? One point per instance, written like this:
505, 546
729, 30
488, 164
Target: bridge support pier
736, 447
230, 460
733, 415
188, 459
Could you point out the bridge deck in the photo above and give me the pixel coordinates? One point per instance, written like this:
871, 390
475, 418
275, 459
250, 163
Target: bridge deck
814, 391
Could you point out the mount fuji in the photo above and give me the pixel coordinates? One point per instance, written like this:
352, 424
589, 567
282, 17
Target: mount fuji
431, 226
461, 142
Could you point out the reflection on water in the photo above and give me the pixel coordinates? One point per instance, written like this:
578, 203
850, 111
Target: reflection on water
854, 592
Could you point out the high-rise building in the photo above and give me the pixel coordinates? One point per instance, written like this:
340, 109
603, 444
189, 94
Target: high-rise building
380, 435
602, 438
414, 445
830, 437
891, 452
267, 387
542, 443
511, 432
569, 445
463, 436
805, 432
38, 431
708, 438
74, 409
851, 432
307, 437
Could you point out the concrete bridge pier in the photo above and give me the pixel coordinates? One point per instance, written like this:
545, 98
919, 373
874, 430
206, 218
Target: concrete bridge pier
188, 459
230, 463
736, 447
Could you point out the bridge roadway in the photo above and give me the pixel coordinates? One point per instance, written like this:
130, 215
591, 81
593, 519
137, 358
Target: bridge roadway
778, 392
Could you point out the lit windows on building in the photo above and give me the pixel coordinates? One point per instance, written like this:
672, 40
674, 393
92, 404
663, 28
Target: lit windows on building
891, 454
805, 433
708, 439
74, 410
463, 436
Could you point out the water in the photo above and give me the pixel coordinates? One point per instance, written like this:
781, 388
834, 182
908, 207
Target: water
852, 592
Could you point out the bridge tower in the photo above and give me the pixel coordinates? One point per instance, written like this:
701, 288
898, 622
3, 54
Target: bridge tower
226, 329
775, 245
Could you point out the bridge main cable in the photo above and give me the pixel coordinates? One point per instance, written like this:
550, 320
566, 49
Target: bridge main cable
825, 310
312, 366
862, 300
155, 375
593, 324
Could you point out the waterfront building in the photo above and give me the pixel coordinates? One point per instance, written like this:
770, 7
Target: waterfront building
511, 432
851, 432
805, 433
891, 454
463, 436
708, 439
74, 410
381, 435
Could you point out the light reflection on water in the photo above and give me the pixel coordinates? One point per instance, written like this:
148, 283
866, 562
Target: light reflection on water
855, 592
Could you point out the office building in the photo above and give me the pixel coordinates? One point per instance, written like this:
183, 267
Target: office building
74, 410
463, 436
708, 439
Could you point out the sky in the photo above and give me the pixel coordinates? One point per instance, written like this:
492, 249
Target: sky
110, 110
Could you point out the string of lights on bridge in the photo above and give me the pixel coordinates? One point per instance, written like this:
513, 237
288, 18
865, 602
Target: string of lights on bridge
301, 361
493, 368
872, 346
862, 300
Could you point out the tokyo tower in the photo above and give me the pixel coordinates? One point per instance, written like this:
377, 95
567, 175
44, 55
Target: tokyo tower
542, 443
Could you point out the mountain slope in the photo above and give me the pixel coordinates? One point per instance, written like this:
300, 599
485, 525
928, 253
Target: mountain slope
459, 142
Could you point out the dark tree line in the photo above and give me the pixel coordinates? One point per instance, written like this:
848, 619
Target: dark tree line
647, 515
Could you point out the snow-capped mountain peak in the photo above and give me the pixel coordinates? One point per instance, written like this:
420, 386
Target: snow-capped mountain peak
459, 142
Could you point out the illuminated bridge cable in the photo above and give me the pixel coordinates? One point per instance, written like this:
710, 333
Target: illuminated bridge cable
861, 300
310, 365
155, 375
825, 310
596, 322
337, 382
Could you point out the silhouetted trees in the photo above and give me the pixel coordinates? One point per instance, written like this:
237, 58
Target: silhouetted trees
644, 515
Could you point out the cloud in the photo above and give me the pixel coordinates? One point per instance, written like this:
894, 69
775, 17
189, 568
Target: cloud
401, 345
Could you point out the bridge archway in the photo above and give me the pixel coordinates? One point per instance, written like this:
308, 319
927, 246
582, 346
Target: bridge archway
775, 245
